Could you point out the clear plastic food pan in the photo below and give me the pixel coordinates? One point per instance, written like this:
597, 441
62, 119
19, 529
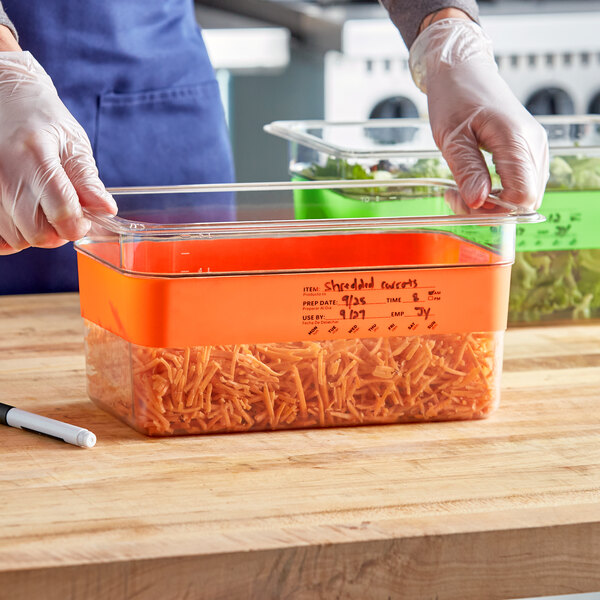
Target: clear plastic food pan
271, 322
557, 268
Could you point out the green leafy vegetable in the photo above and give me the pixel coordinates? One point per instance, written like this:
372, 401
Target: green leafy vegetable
561, 174
336, 168
586, 172
555, 285
566, 172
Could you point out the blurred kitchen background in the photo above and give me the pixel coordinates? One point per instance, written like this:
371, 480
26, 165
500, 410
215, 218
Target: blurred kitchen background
343, 60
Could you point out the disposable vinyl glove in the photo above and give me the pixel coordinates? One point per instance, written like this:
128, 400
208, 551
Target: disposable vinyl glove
47, 171
472, 107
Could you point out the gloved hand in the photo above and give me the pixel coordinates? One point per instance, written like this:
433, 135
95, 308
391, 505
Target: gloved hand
47, 171
472, 107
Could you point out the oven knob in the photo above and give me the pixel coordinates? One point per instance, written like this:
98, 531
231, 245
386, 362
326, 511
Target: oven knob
396, 107
594, 107
550, 101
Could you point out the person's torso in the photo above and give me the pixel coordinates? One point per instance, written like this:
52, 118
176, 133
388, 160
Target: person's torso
136, 75
156, 41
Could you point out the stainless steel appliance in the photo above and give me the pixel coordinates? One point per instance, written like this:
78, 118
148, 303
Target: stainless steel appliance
547, 50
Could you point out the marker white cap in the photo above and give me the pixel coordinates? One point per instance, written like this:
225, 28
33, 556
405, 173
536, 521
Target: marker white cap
86, 439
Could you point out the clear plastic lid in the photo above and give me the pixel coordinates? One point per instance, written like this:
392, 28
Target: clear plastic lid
203, 230
258, 209
381, 139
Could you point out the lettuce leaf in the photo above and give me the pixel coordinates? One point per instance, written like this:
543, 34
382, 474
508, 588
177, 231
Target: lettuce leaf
555, 285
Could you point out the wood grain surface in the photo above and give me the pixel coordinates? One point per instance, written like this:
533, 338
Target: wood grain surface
503, 508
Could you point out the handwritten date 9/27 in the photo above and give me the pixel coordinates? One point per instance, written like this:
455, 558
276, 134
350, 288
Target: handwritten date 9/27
352, 314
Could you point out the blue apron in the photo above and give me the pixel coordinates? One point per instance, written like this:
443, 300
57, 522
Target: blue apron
136, 75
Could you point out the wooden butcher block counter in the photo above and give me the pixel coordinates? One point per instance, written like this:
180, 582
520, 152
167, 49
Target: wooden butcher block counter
503, 508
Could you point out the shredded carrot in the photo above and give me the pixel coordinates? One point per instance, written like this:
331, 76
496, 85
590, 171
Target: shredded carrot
204, 389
